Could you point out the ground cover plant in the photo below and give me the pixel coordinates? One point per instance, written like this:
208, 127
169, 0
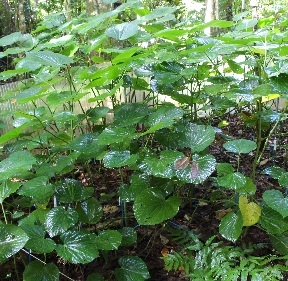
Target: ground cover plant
64, 170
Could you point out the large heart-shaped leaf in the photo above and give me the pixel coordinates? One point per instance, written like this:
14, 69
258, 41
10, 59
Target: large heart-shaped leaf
240, 146
274, 172
12, 239
233, 181
36, 270
272, 221
11, 38
280, 243
38, 188
113, 135
163, 167
132, 268
199, 170
151, 207
17, 163
69, 190
90, 211
78, 247
108, 240
231, 226
197, 137
275, 200
58, 220
122, 31
114, 159
283, 180
7, 188
129, 236
130, 113
251, 212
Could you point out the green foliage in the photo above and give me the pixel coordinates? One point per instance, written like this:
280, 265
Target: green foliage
215, 261
105, 61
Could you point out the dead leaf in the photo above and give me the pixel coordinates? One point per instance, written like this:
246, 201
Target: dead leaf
195, 170
165, 252
181, 163
263, 162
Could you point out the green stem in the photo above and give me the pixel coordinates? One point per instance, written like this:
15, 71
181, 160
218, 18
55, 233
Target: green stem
4, 214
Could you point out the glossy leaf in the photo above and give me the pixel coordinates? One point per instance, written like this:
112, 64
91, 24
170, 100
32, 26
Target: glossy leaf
251, 212
113, 135
197, 137
37, 270
129, 236
272, 221
17, 163
233, 181
199, 170
41, 245
58, 220
114, 159
78, 247
274, 172
240, 146
130, 114
132, 268
12, 239
7, 188
280, 243
231, 226
283, 180
122, 31
48, 58
38, 188
11, 39
276, 201
69, 190
151, 207
108, 240
90, 211
163, 167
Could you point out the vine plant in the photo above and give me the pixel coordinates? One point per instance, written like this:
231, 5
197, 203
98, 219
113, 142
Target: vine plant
46, 209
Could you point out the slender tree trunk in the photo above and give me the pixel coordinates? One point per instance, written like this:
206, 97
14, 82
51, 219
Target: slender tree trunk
21, 17
89, 7
209, 15
68, 8
7, 24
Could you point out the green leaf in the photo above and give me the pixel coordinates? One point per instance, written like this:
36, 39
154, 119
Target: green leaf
12, 239
275, 200
231, 226
122, 31
151, 207
95, 276
163, 167
58, 220
240, 146
129, 236
262, 90
272, 221
245, 24
283, 180
274, 172
11, 39
31, 94
17, 163
197, 137
90, 211
97, 112
132, 268
224, 169
36, 270
199, 169
78, 247
41, 245
233, 181
69, 190
48, 58
108, 240
130, 114
114, 159
280, 243
4, 75
38, 188
164, 116
113, 135
7, 188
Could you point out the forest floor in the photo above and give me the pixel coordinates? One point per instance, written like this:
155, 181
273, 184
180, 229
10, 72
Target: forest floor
200, 213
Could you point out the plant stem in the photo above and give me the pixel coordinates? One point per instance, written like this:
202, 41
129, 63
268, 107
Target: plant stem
4, 214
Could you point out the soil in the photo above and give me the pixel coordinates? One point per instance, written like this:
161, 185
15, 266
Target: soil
200, 213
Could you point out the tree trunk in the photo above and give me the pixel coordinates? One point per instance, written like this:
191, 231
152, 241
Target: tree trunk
89, 7
7, 24
209, 15
68, 8
21, 17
